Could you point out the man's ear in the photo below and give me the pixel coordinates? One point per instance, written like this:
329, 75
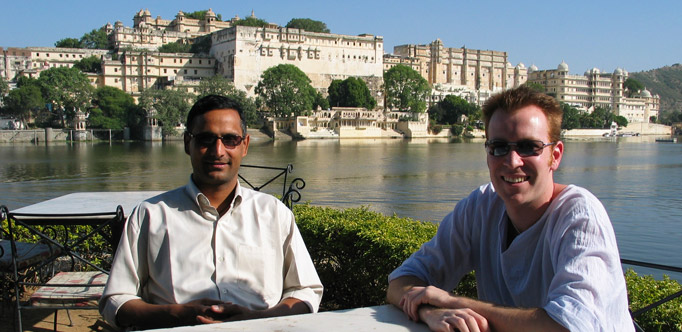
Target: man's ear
188, 141
557, 154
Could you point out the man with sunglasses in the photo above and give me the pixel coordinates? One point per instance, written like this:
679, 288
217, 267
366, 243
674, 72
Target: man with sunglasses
212, 250
544, 253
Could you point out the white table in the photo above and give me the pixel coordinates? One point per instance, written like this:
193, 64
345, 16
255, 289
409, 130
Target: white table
89, 202
379, 318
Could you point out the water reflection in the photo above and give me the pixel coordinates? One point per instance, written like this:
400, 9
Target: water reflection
637, 179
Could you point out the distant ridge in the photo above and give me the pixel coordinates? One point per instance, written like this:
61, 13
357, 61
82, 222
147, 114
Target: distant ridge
666, 82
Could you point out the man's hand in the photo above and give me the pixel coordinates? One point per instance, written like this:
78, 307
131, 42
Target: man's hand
462, 320
429, 304
226, 312
417, 296
144, 315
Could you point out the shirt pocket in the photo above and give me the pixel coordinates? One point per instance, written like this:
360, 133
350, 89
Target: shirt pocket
255, 271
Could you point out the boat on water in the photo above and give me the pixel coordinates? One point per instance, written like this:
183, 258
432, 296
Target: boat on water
667, 140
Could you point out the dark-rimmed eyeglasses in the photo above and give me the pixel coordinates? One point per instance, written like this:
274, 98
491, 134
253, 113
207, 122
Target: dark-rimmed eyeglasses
525, 148
208, 139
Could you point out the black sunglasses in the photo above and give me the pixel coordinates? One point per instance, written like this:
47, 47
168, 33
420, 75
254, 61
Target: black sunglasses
525, 148
208, 139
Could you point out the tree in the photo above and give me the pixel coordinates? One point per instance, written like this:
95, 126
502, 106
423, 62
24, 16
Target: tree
621, 121
95, 39
351, 92
286, 90
535, 86
308, 25
113, 109
320, 101
599, 118
201, 15
405, 89
632, 86
175, 47
571, 117
171, 106
67, 90
218, 85
451, 109
4, 87
201, 45
91, 64
23, 103
68, 43
251, 22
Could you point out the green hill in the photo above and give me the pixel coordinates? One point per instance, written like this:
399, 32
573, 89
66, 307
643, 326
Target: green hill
666, 82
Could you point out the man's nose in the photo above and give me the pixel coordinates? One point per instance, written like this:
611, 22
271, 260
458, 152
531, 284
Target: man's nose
218, 148
513, 158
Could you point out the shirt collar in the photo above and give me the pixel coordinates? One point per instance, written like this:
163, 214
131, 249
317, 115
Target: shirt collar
205, 205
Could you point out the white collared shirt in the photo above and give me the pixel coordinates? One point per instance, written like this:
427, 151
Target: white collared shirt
176, 249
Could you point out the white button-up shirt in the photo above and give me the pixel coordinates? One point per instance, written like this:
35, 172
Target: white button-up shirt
176, 249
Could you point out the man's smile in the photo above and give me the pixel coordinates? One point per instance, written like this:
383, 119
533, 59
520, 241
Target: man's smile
515, 179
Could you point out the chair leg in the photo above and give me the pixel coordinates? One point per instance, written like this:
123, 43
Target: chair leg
69, 315
55, 321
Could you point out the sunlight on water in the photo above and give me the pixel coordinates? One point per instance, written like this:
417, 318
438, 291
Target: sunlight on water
639, 182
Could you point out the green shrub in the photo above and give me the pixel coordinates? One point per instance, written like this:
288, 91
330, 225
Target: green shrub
645, 290
457, 129
354, 250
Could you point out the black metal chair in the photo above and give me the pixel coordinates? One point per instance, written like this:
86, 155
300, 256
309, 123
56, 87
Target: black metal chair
291, 191
62, 239
651, 306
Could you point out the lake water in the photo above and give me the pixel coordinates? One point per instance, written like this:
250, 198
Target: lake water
638, 180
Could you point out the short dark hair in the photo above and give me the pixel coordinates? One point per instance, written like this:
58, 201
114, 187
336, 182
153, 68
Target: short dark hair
215, 102
509, 101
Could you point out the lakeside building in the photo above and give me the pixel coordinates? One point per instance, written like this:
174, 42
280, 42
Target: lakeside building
30, 61
243, 53
469, 73
353, 122
151, 33
597, 89
135, 71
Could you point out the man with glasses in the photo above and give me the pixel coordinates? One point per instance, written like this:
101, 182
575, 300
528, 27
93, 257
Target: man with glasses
212, 250
544, 253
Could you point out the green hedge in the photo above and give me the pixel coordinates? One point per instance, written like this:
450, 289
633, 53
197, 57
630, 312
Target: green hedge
645, 290
355, 249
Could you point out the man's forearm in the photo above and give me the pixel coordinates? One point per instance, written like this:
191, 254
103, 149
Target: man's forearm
506, 318
399, 286
286, 307
144, 315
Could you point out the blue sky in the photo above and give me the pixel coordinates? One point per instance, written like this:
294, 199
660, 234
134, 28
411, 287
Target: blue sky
634, 35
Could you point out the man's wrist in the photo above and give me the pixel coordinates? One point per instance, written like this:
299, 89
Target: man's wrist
424, 310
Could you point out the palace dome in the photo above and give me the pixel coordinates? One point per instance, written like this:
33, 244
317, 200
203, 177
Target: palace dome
593, 71
645, 93
563, 66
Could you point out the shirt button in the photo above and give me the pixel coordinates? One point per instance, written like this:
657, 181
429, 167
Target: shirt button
224, 291
222, 259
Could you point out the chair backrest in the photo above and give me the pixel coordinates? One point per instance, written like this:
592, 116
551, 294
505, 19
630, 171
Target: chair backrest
74, 235
291, 190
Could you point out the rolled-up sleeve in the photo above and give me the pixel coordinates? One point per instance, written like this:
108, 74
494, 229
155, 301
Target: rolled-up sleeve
127, 273
300, 277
